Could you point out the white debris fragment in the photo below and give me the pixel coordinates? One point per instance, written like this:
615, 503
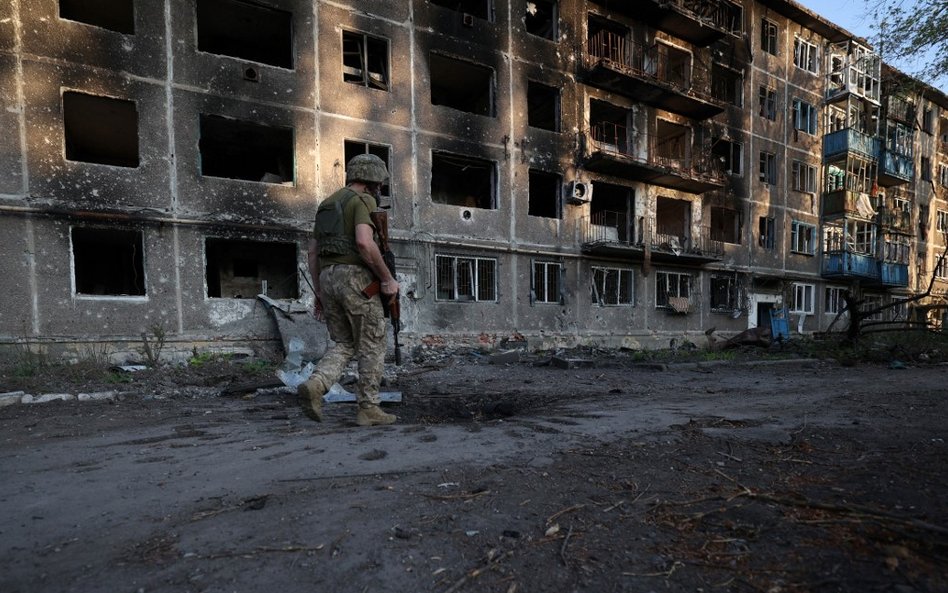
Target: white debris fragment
52, 397
97, 396
11, 397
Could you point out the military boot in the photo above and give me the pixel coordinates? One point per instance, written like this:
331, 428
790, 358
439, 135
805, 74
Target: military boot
372, 415
310, 395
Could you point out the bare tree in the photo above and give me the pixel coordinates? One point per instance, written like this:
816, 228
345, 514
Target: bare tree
913, 32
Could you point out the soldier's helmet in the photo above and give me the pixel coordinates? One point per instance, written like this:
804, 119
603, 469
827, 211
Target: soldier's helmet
367, 168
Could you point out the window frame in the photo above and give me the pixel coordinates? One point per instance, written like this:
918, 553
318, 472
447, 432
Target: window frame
767, 232
806, 55
681, 280
802, 243
474, 270
542, 292
365, 76
767, 102
733, 297
833, 301
769, 36
803, 177
805, 117
802, 293
767, 169
598, 292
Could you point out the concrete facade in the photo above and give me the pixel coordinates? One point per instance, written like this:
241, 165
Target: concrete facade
566, 172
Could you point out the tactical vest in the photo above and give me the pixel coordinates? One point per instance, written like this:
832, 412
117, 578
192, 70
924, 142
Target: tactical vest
330, 228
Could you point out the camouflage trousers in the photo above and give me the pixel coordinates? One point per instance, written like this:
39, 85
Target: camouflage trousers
357, 327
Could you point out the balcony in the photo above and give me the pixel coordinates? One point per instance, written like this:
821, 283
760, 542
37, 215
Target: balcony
656, 75
606, 151
607, 234
844, 202
850, 140
895, 168
696, 21
893, 274
848, 265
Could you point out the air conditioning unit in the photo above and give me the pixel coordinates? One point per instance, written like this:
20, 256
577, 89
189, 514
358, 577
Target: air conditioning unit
578, 192
467, 19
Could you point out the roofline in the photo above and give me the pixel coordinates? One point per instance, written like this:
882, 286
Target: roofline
813, 21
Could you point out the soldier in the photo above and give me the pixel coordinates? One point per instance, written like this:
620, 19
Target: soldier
344, 259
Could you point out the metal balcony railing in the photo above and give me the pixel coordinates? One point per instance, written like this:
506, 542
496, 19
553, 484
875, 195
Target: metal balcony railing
850, 140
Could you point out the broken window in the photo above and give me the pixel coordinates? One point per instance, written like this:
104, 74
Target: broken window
611, 212
804, 116
540, 18
833, 300
802, 301
926, 168
108, 261
461, 85
545, 194
725, 225
612, 286
609, 126
465, 278
482, 9
767, 172
671, 142
100, 129
546, 282
766, 232
802, 238
727, 85
731, 155
543, 107
365, 60
803, 177
724, 296
114, 15
805, 55
245, 30
673, 291
768, 37
673, 221
355, 147
238, 149
242, 269
767, 102
462, 181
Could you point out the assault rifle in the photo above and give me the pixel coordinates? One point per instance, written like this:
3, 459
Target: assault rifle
391, 307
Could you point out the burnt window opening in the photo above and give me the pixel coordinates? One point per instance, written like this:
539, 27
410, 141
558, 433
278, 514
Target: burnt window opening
725, 225
724, 293
114, 15
543, 106
482, 9
245, 30
541, 18
766, 232
355, 147
365, 60
607, 39
462, 181
242, 269
545, 194
730, 154
609, 125
612, 286
611, 212
108, 261
673, 222
465, 279
727, 85
100, 129
462, 85
671, 141
237, 149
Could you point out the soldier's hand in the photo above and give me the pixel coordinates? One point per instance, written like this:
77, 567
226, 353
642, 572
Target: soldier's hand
390, 289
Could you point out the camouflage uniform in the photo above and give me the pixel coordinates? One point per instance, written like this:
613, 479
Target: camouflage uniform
356, 325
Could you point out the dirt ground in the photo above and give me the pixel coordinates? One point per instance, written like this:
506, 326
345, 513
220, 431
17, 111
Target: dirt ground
615, 474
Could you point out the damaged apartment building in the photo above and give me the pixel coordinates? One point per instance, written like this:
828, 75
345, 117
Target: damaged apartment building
567, 172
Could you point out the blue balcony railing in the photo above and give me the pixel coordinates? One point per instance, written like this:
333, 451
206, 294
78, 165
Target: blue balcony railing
893, 274
896, 165
850, 265
850, 140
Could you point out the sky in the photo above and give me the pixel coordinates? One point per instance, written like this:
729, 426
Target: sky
853, 15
